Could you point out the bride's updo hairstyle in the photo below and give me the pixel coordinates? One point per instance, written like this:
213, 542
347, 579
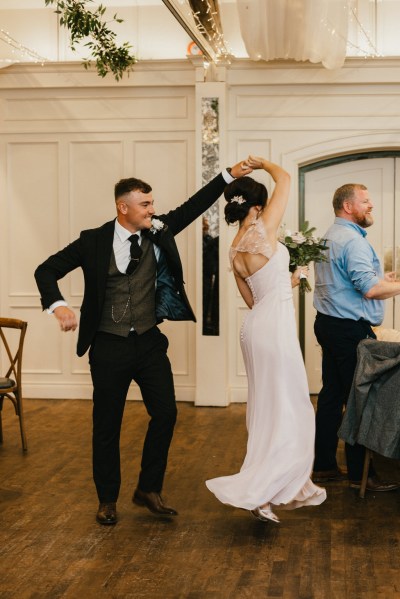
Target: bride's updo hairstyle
241, 195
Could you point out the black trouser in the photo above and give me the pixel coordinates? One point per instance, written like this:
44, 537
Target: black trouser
338, 339
115, 361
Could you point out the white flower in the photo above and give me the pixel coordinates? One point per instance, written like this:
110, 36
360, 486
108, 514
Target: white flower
156, 225
303, 248
238, 199
298, 237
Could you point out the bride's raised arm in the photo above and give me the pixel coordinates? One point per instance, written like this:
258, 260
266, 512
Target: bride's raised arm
273, 212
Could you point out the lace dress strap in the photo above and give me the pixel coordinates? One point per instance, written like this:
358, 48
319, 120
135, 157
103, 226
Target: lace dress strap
253, 241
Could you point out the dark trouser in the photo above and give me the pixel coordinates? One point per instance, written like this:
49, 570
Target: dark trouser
338, 339
116, 361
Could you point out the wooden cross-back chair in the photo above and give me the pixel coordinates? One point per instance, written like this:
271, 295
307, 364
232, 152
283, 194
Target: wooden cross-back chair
11, 364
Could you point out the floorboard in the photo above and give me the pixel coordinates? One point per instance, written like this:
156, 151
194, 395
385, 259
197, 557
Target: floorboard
51, 547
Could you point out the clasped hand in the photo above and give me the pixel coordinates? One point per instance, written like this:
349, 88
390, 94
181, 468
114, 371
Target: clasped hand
245, 167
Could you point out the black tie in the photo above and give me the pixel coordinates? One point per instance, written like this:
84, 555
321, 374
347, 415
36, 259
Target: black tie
136, 252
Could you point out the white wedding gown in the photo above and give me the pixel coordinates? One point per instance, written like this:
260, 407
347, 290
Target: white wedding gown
280, 417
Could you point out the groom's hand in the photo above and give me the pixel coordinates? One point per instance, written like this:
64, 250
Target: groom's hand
240, 169
66, 318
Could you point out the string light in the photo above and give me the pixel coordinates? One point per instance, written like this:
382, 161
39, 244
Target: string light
24, 52
367, 54
213, 33
371, 53
215, 37
374, 52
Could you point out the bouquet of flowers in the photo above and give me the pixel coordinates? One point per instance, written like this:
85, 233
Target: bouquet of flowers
303, 248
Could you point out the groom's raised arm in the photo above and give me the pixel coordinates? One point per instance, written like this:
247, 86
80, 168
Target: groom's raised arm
180, 217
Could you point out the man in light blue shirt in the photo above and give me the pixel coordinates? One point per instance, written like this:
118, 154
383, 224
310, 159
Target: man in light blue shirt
349, 293
353, 268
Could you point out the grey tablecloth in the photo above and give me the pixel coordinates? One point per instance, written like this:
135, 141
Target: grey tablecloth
372, 416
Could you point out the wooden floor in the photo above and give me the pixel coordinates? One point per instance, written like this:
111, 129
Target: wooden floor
51, 546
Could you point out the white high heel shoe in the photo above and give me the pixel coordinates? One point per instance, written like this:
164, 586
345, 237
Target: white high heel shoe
265, 514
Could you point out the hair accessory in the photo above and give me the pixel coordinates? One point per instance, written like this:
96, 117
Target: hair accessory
238, 199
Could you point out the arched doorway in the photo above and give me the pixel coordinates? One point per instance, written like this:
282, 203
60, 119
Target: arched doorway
380, 172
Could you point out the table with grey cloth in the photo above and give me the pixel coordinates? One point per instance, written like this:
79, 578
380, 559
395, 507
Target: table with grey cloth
372, 416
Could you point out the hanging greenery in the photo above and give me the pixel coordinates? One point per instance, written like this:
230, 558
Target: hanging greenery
82, 24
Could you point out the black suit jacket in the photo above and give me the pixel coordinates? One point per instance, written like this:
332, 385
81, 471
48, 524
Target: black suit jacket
92, 252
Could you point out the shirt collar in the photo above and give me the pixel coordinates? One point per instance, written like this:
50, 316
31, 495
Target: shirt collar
123, 233
348, 223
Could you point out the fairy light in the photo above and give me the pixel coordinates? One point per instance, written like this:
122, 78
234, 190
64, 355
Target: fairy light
24, 51
213, 33
215, 37
374, 52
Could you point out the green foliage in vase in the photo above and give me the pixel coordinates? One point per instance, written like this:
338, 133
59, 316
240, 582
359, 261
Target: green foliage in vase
83, 23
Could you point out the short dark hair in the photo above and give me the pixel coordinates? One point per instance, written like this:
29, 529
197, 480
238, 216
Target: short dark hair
343, 193
125, 186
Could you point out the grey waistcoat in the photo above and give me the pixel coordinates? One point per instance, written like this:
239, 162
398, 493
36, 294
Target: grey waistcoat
130, 299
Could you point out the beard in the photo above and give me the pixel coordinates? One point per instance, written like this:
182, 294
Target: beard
364, 221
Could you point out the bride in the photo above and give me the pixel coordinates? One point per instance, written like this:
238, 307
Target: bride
280, 417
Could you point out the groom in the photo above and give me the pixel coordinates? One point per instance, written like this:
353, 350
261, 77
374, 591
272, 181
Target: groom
133, 280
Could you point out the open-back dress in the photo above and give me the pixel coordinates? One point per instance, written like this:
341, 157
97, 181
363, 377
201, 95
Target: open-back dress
280, 417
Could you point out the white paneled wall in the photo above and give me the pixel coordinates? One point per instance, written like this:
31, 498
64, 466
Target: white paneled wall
296, 114
62, 152
66, 137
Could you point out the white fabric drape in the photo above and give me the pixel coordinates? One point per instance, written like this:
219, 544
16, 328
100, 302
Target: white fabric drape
314, 30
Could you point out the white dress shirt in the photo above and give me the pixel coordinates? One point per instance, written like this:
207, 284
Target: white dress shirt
122, 247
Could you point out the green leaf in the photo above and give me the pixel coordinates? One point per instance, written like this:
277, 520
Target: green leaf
84, 23
304, 226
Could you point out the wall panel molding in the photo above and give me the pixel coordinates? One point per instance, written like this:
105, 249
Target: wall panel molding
95, 108
64, 149
60, 159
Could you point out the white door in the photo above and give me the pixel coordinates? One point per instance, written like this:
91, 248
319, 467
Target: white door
379, 176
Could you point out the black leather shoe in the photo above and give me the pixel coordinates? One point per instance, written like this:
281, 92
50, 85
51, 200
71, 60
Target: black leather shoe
107, 513
375, 484
324, 476
153, 501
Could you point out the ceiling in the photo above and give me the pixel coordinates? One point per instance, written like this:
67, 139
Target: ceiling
164, 29
147, 25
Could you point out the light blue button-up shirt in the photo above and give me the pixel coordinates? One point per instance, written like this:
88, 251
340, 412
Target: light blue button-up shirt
352, 269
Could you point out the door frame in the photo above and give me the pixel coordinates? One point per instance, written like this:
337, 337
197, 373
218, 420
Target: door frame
324, 163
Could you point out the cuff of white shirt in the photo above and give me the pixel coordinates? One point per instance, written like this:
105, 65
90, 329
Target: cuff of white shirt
228, 178
55, 305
